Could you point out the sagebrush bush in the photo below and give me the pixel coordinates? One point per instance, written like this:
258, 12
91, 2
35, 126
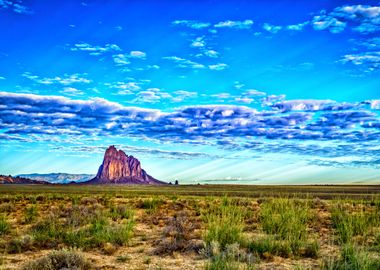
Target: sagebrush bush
59, 260
177, 234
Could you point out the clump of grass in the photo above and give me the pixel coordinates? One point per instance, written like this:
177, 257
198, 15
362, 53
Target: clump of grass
4, 225
287, 220
62, 259
268, 246
151, 205
350, 224
120, 212
352, 258
30, 214
224, 224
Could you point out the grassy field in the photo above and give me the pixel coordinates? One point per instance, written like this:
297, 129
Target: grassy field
189, 227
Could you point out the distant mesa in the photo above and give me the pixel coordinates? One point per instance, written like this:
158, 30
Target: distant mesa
119, 168
7, 179
59, 178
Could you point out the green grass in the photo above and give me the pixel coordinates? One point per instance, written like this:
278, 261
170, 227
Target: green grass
151, 204
287, 220
224, 224
349, 224
121, 212
352, 258
4, 225
30, 214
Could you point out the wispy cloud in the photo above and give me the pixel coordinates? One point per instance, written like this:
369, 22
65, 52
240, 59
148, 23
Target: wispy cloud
192, 24
71, 91
219, 66
95, 50
247, 24
184, 63
66, 79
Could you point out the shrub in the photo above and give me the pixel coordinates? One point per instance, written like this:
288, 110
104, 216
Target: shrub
62, 259
19, 245
224, 224
177, 235
6, 208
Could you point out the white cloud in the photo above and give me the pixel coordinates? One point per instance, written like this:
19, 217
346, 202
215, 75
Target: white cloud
297, 27
191, 24
198, 42
322, 22
211, 53
137, 54
271, 28
121, 59
247, 24
219, 66
15, 6
71, 91
245, 100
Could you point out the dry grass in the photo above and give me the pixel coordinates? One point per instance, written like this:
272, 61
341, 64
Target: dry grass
127, 228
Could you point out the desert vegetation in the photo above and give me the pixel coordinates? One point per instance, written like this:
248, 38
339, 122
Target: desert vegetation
56, 227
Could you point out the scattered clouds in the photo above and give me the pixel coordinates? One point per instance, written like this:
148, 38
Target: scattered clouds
367, 61
288, 126
360, 18
66, 79
247, 24
15, 5
95, 50
191, 24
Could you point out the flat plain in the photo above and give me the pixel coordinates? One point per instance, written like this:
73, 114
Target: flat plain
189, 227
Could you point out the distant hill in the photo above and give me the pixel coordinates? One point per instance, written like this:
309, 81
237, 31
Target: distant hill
119, 168
8, 179
58, 178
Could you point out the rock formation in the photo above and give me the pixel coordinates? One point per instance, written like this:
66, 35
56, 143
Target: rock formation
119, 168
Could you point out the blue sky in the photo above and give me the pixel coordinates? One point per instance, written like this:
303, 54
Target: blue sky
203, 91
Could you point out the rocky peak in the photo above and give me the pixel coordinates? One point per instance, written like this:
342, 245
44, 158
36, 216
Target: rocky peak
118, 167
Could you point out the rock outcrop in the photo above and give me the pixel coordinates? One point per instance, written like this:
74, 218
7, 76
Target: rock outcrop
119, 168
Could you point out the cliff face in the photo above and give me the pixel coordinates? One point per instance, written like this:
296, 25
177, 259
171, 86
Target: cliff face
119, 168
